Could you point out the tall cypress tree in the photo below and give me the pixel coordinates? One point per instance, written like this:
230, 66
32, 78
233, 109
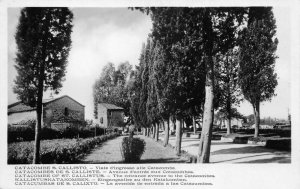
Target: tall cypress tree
257, 59
43, 40
180, 74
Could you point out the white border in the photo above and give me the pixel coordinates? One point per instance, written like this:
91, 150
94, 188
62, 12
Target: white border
227, 175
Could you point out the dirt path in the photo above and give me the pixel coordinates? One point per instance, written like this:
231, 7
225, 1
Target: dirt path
109, 152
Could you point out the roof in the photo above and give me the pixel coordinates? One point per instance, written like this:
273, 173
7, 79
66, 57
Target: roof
20, 107
46, 101
110, 106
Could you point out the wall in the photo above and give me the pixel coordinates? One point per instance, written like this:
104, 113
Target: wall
21, 116
234, 121
102, 113
56, 110
116, 118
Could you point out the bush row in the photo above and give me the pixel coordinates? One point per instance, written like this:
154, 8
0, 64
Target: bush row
279, 132
54, 151
18, 134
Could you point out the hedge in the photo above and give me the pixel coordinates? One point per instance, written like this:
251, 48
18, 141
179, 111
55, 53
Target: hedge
54, 151
279, 144
19, 134
280, 132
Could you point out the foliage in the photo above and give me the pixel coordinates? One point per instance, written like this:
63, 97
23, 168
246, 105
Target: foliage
198, 57
223, 114
190, 39
113, 86
179, 69
43, 40
257, 59
132, 149
20, 133
26, 133
152, 109
139, 90
54, 151
227, 89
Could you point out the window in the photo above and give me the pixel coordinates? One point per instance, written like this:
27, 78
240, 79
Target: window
66, 113
101, 119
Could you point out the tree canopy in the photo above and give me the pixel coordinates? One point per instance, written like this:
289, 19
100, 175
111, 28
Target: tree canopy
112, 86
43, 41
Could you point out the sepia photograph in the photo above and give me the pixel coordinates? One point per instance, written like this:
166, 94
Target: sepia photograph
146, 95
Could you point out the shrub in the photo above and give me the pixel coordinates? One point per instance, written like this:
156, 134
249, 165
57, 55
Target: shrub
54, 151
20, 133
132, 149
26, 133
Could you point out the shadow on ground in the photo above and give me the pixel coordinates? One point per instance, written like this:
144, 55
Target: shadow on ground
100, 162
281, 159
262, 155
248, 150
163, 160
218, 143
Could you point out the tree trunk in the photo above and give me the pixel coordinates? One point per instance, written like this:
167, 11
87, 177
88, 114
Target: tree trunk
39, 109
194, 125
166, 140
156, 131
256, 119
208, 118
148, 132
174, 124
205, 140
228, 102
228, 126
178, 137
162, 126
36, 157
153, 129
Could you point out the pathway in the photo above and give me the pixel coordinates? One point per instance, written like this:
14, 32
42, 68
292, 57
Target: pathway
221, 152
228, 152
109, 152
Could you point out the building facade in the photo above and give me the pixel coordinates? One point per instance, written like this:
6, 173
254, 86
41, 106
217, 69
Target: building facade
235, 122
110, 116
57, 112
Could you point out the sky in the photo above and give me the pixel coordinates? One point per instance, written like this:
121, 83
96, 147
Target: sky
102, 35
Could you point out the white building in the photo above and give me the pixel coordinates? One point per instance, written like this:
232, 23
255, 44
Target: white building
110, 116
